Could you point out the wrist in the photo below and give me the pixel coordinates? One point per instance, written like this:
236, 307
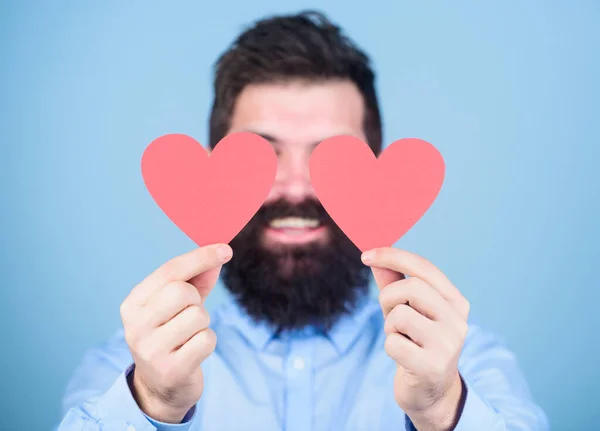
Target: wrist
444, 414
153, 406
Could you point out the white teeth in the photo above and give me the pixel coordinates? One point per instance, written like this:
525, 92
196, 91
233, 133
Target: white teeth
294, 223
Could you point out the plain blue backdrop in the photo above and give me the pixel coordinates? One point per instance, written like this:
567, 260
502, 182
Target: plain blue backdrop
507, 91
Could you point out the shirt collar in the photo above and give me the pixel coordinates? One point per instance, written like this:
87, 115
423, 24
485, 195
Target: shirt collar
341, 335
347, 329
258, 334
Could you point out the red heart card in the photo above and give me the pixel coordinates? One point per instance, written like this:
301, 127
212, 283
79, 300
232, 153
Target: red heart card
375, 201
210, 198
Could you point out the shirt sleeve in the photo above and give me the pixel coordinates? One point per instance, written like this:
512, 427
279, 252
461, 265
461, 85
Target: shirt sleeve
98, 397
497, 394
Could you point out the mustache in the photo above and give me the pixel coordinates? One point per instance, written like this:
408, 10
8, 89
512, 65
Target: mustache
309, 208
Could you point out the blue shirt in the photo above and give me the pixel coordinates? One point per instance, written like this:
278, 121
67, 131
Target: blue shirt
302, 381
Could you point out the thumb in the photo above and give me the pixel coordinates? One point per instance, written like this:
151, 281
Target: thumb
384, 276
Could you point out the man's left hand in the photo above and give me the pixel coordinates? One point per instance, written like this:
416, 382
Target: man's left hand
425, 325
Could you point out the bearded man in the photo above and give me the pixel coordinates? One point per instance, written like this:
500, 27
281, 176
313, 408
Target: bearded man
300, 344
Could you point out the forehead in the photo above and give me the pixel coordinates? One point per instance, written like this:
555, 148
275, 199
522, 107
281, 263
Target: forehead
300, 111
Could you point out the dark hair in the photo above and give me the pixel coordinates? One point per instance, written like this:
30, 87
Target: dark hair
305, 46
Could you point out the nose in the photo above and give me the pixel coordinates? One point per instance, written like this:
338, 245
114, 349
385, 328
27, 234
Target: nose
293, 178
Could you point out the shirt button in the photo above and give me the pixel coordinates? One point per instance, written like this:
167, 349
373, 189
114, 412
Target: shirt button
299, 363
130, 428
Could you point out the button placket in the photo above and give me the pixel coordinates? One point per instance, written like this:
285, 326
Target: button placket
299, 399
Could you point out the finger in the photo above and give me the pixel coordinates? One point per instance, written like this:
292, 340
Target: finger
406, 320
181, 328
166, 303
205, 282
417, 294
404, 352
182, 268
383, 277
197, 349
407, 263
413, 265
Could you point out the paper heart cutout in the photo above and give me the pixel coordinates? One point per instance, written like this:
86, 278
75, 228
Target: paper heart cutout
376, 201
210, 198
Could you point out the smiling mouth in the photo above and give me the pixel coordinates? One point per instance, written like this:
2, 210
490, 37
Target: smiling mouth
295, 230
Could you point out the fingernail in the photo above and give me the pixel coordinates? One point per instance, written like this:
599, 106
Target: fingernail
368, 256
224, 253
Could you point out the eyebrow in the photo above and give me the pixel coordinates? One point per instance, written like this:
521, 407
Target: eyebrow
273, 140
269, 138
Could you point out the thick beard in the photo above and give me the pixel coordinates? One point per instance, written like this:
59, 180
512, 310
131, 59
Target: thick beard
295, 286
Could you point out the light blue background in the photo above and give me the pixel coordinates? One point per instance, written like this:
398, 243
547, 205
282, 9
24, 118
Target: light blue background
507, 92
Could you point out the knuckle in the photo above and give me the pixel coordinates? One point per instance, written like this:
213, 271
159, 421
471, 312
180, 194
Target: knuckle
393, 347
172, 291
398, 319
209, 339
168, 271
403, 316
389, 345
126, 309
133, 333
413, 291
413, 282
180, 292
388, 326
466, 306
175, 292
192, 294
382, 297
385, 298
409, 324
195, 315
398, 293
402, 286
204, 318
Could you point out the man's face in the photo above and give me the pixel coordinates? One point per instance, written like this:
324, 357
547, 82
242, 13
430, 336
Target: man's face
292, 265
295, 118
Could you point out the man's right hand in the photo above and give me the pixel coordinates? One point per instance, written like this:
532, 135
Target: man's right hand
166, 328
